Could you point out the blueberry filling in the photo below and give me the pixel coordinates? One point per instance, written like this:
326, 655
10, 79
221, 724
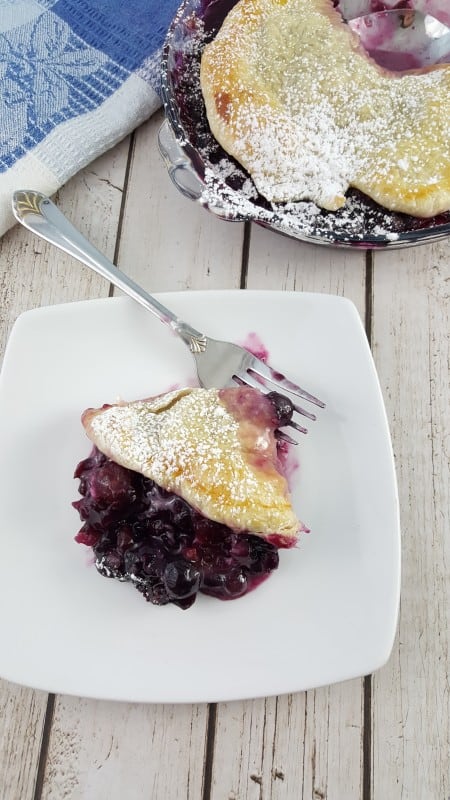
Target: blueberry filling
141, 533
283, 408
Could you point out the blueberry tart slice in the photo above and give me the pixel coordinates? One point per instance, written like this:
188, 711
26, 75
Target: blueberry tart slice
185, 492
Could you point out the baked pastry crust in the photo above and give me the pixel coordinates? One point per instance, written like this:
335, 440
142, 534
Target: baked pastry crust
202, 445
292, 95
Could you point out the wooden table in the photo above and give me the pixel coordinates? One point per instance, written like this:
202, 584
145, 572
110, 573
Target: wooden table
381, 737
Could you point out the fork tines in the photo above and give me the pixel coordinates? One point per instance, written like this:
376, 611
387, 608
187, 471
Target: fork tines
263, 372
256, 377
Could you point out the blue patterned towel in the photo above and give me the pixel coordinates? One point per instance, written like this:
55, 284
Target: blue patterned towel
76, 76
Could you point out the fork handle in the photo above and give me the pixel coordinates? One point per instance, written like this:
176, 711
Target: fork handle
37, 213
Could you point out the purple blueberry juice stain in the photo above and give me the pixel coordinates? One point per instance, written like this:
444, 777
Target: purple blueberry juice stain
254, 344
288, 463
436, 8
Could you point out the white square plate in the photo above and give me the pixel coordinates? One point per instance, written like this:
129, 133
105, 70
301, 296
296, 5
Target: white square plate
327, 614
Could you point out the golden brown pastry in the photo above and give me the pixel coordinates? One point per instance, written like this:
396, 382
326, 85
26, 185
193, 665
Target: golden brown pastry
214, 448
292, 95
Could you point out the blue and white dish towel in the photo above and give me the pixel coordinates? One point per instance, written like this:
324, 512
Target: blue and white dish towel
76, 76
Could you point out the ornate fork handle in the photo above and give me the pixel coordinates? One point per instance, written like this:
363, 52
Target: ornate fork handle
37, 213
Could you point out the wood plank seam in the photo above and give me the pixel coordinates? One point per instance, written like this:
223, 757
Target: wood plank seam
369, 295
367, 681
367, 739
209, 751
245, 254
45, 743
122, 204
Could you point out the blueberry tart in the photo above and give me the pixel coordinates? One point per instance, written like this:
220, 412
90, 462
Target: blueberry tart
185, 492
293, 96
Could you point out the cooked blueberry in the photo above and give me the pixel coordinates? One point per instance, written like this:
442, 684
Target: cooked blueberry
282, 406
87, 535
171, 540
263, 557
214, 583
111, 484
153, 591
145, 560
181, 579
269, 561
158, 594
182, 520
241, 548
111, 565
185, 602
124, 537
141, 528
94, 460
235, 583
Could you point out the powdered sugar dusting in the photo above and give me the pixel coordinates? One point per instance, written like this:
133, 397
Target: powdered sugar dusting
192, 442
356, 220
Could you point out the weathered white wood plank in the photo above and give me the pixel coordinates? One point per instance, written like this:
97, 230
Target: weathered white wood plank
168, 242
333, 743
290, 747
243, 763
307, 745
276, 262
411, 696
22, 714
108, 751
32, 274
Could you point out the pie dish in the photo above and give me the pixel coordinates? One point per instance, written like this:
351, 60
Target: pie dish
185, 492
329, 611
204, 172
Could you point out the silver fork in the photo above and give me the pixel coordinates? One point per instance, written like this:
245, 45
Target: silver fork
219, 364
